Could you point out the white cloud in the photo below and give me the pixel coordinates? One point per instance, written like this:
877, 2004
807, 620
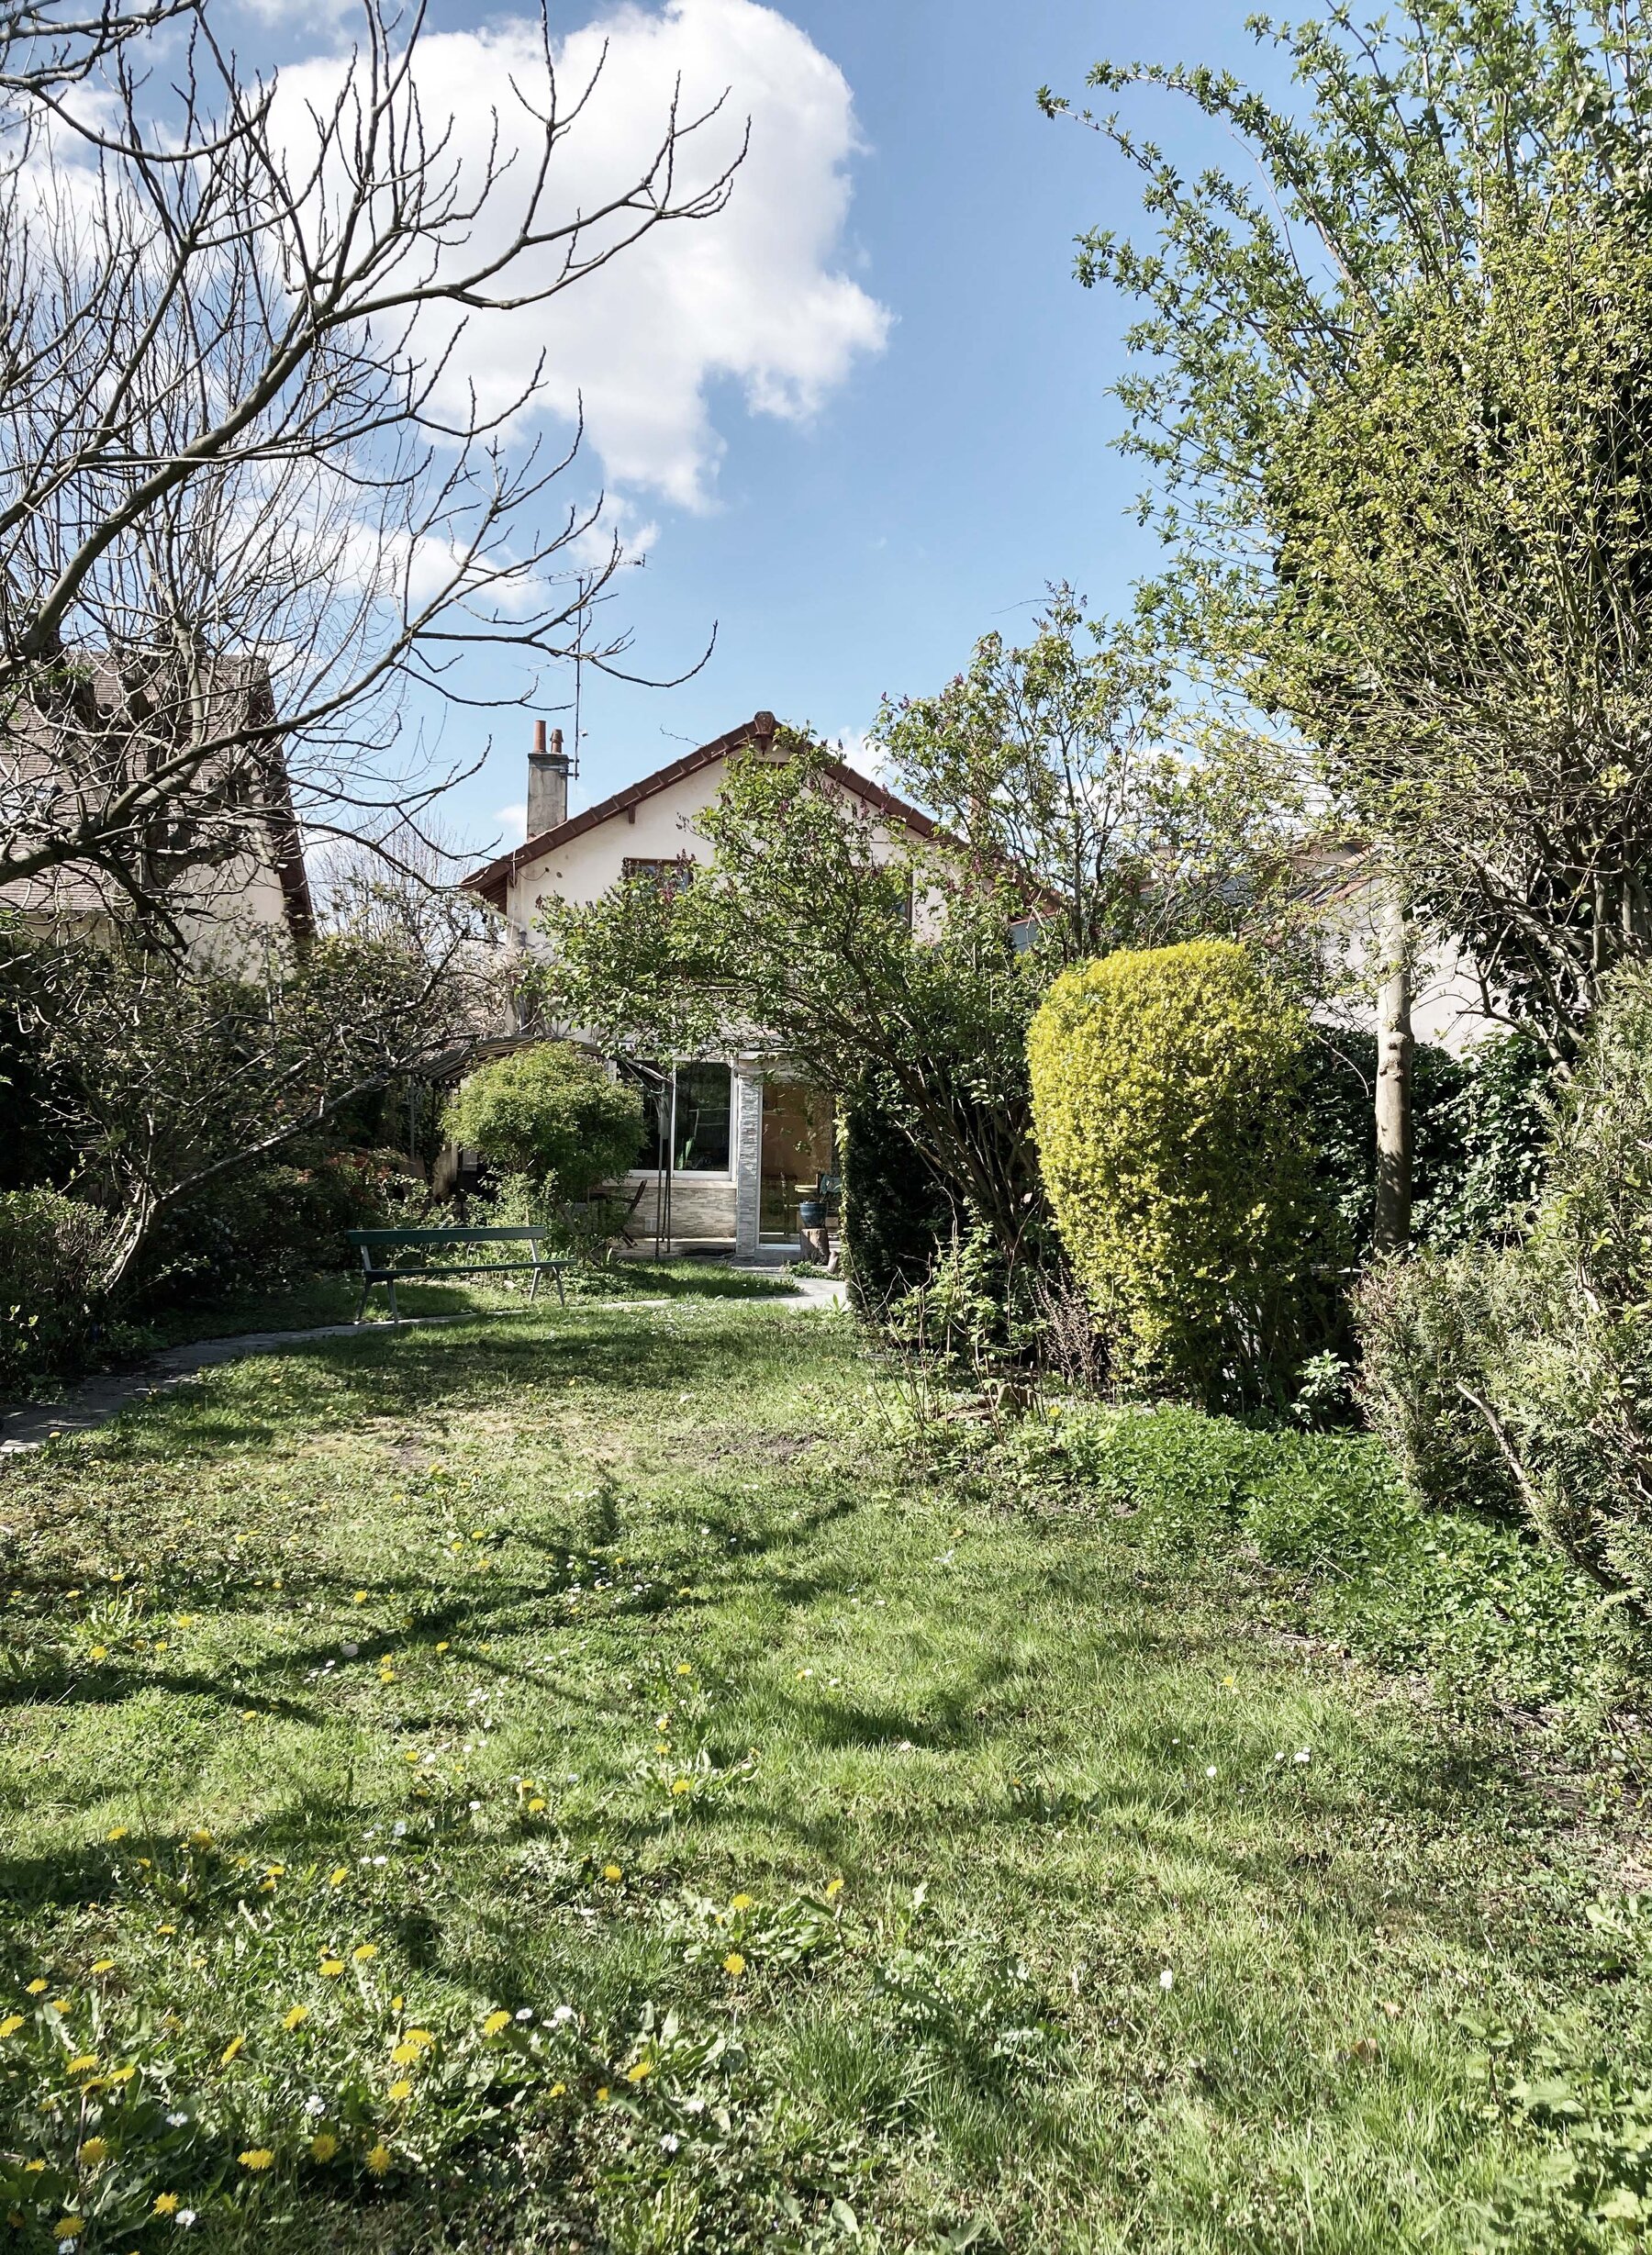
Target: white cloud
513, 824
857, 749
756, 296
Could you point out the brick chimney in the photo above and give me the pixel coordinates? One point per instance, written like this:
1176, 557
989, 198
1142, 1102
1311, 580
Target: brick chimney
547, 781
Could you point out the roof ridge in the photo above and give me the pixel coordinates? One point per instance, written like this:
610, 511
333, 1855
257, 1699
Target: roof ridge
491, 880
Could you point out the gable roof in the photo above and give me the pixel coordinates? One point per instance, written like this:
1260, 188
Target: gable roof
492, 881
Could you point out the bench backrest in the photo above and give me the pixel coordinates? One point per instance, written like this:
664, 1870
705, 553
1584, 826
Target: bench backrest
369, 1237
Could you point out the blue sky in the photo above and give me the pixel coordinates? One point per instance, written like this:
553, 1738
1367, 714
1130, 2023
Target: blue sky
925, 491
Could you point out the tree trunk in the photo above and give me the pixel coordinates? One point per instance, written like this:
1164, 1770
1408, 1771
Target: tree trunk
1393, 1078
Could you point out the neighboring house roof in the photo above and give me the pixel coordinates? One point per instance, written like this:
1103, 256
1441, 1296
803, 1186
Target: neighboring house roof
491, 882
190, 869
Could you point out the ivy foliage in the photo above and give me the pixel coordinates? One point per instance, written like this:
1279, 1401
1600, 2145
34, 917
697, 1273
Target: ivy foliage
1479, 1124
1167, 1092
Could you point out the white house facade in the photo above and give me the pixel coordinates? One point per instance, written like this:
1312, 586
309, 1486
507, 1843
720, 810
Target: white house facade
732, 1139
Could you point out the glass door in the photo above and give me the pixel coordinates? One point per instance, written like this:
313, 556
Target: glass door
797, 1148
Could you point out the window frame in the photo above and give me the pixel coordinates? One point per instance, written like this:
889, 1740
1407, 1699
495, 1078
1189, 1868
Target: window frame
726, 1174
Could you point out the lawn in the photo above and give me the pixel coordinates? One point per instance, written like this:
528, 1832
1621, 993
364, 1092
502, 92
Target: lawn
577, 1780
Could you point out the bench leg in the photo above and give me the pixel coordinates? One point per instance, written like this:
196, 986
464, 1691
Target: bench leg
561, 1295
533, 1287
390, 1286
361, 1302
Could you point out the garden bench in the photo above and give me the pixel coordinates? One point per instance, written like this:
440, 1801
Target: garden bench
378, 1248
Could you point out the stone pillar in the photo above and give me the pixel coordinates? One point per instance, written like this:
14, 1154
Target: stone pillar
748, 1155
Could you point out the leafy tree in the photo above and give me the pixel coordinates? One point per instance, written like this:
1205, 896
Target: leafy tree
549, 1113
164, 1080
1391, 395
1056, 759
828, 932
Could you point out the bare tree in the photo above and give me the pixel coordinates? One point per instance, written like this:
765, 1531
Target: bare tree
241, 514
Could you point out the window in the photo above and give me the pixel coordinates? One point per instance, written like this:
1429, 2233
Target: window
690, 1113
667, 876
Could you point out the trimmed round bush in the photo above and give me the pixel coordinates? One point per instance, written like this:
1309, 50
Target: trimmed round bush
549, 1113
1167, 1103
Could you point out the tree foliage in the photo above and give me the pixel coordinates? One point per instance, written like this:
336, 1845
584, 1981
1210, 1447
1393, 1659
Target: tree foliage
163, 1078
1392, 397
549, 1113
1523, 1381
1056, 758
830, 932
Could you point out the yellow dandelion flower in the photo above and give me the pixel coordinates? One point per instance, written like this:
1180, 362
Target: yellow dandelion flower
123, 2074
557, 2090
612, 1873
364, 1950
422, 2037
200, 1838
442, 1646
603, 2095
100, 1652
323, 2146
833, 1888
166, 1929
536, 1806
741, 1902
407, 2055
39, 1988
232, 2048
338, 1875
33, 2168
683, 1668
734, 1965
166, 2204
411, 1755
256, 2158
67, 2227
378, 2159
96, 2150
360, 1598
115, 1832
296, 2018
84, 2065
640, 2073
681, 1785
11, 2024
496, 2024
400, 2089
104, 1965
331, 1968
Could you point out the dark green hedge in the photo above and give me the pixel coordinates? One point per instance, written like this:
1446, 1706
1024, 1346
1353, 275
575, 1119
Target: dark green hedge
896, 1212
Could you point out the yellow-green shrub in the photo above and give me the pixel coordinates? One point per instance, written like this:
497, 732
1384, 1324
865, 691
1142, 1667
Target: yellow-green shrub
1165, 1088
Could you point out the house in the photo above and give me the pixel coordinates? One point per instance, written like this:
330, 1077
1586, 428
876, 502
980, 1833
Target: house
730, 1138
223, 854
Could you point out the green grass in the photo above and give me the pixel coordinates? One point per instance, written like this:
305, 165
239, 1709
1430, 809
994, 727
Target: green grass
356, 1656
334, 1297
